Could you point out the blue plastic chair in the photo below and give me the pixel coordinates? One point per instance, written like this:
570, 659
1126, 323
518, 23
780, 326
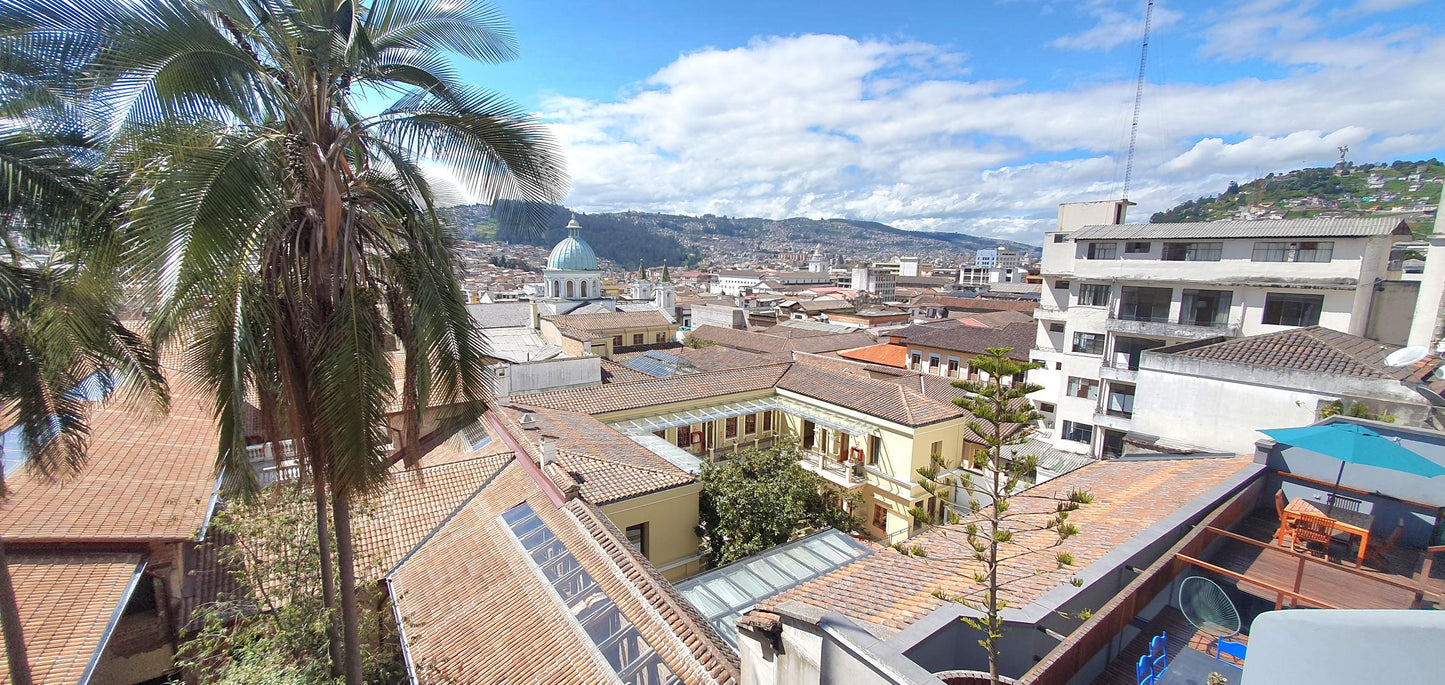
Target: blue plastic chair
1158, 655
1234, 649
1144, 673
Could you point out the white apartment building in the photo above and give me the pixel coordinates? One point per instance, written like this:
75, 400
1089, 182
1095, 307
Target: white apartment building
879, 281
1112, 290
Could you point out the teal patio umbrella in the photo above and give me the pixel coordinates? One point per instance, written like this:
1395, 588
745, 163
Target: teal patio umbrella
1352, 443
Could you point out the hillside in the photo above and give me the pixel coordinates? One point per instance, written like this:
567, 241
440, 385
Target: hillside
1409, 190
713, 241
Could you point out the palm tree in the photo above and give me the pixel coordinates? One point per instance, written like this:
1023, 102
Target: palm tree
291, 219
60, 337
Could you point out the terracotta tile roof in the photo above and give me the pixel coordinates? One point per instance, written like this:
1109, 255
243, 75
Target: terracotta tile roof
606, 464
1303, 349
414, 503
885, 400
941, 389
966, 339
614, 372
600, 325
148, 477
62, 636
895, 590
974, 304
887, 355
656, 391
475, 609
712, 358
762, 342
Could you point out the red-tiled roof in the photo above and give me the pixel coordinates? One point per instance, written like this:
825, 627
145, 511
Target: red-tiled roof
967, 339
657, 391
895, 590
764, 343
885, 400
148, 477
475, 609
600, 325
887, 355
66, 603
1314, 348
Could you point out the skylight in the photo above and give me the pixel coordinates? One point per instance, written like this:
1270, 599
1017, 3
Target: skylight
626, 650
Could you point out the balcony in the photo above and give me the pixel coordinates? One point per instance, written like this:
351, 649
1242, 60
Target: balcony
1050, 314
845, 474
1164, 328
1119, 369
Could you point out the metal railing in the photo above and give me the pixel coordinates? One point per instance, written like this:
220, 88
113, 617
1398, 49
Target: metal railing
849, 471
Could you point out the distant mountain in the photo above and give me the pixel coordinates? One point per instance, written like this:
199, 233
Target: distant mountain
710, 241
1409, 190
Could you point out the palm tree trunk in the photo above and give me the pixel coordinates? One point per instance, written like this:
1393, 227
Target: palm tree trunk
350, 617
328, 575
10, 622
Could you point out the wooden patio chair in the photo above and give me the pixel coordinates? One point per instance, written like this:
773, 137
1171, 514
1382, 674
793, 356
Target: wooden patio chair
1284, 529
1379, 555
1311, 532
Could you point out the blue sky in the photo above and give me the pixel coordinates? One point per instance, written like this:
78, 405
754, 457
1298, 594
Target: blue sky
975, 116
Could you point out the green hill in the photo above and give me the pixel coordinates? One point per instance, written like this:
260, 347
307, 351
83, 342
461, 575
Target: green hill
1409, 190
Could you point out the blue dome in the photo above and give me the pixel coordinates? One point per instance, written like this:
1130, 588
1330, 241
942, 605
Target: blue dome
573, 253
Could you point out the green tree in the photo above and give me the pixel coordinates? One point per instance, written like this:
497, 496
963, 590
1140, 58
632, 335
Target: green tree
996, 531
290, 220
761, 498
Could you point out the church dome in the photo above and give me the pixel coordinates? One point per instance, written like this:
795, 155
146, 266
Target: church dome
573, 253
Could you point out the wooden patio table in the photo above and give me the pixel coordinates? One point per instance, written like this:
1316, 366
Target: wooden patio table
1352, 522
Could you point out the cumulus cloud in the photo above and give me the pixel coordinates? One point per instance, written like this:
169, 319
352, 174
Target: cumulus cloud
899, 132
1116, 23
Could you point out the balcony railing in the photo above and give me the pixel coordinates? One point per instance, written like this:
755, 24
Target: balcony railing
1167, 328
827, 465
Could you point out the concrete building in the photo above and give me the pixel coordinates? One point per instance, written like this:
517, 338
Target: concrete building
1112, 290
817, 263
881, 282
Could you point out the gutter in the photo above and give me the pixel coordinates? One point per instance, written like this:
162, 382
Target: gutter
400, 632
211, 506
114, 621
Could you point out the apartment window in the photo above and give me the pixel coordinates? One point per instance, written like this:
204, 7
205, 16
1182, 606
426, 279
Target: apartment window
1089, 343
1103, 251
1061, 285
875, 448
1056, 328
1077, 432
1193, 252
1121, 401
915, 360
617, 341
750, 424
637, 536
1144, 304
952, 367
1061, 238
1083, 388
1205, 307
1308, 251
1094, 294
1046, 408
1058, 366
1282, 309
1136, 248
933, 363
936, 448
880, 517
767, 420
636, 338
730, 428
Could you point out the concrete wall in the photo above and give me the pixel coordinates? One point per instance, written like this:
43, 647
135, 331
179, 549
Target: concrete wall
562, 372
1392, 311
1346, 647
719, 315
671, 517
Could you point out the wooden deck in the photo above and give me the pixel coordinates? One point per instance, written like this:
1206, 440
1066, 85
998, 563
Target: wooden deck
1335, 584
1180, 636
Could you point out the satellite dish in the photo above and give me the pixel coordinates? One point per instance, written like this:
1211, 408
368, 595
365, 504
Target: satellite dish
1406, 356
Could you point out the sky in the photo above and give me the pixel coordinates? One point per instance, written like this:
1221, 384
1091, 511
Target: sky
976, 116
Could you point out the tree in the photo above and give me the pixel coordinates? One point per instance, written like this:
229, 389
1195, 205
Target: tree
292, 229
996, 531
761, 498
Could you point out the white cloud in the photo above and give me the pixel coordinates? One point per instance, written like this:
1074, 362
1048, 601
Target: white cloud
1116, 23
898, 132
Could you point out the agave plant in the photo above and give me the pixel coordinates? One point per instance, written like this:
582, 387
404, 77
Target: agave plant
277, 155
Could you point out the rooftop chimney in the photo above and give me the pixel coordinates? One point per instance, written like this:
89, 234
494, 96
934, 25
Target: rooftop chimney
549, 451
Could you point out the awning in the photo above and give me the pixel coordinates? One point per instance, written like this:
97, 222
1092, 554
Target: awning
823, 417
678, 456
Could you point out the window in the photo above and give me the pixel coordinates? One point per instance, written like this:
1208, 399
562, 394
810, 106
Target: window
1046, 408
1061, 238
1205, 307
880, 517
1282, 309
1083, 388
1193, 252
1309, 251
915, 361
617, 341
569, 289
1144, 304
936, 448
658, 338
767, 420
730, 427
684, 436
1061, 285
1128, 351
875, 448
952, 367
637, 536
636, 338
476, 435
750, 424
1103, 251
1058, 366
933, 363
1077, 432
1056, 328
1136, 248
584, 290
1121, 400
1089, 343
1094, 294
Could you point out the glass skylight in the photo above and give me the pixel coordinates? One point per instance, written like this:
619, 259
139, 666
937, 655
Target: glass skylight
626, 650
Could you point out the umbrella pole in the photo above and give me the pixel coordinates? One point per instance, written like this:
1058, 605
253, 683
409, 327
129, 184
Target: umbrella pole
1336, 491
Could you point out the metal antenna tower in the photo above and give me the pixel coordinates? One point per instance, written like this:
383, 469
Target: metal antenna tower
1138, 99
